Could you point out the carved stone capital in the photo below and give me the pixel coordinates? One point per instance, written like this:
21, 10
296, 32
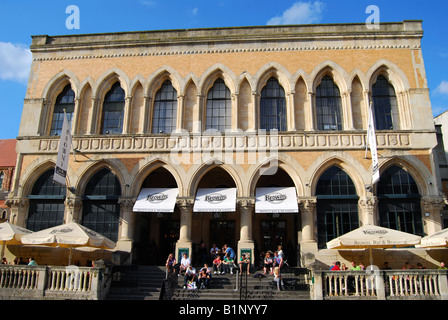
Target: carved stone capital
433, 203
246, 203
307, 204
185, 203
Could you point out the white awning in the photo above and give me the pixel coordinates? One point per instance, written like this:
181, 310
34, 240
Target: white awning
215, 200
276, 200
156, 200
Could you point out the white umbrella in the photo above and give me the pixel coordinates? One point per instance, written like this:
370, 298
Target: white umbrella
11, 234
436, 240
70, 235
368, 237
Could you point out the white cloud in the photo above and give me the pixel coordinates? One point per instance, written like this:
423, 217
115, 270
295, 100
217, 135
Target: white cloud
300, 13
442, 88
148, 3
15, 62
195, 11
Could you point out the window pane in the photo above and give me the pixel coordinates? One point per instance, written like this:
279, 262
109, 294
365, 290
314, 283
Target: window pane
335, 215
399, 201
273, 106
102, 213
328, 105
384, 104
65, 101
113, 110
165, 109
219, 107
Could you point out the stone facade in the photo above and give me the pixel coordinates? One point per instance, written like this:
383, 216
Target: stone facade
298, 57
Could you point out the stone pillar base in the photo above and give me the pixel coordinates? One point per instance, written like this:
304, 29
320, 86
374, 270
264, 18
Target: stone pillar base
183, 247
246, 246
309, 251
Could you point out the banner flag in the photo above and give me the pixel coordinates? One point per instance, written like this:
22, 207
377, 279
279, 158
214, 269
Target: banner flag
65, 144
371, 142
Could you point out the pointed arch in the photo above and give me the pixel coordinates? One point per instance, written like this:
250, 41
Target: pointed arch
198, 172
58, 82
216, 71
148, 165
276, 70
158, 77
283, 162
332, 69
359, 175
108, 79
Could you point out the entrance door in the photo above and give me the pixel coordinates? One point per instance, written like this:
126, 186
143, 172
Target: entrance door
222, 232
273, 234
169, 234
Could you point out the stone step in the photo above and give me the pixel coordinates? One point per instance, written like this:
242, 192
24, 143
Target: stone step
147, 282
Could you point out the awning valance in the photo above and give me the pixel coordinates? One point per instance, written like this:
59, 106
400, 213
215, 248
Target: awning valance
276, 200
215, 200
156, 200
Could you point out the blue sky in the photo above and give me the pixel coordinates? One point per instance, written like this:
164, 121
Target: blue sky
20, 19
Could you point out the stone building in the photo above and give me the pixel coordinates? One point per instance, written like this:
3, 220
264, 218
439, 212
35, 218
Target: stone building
268, 124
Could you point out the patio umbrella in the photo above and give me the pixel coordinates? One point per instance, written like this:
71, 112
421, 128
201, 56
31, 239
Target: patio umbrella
11, 234
369, 236
436, 240
70, 235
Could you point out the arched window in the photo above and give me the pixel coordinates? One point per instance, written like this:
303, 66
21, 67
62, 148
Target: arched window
399, 201
328, 105
384, 104
273, 106
219, 107
165, 109
65, 101
2, 176
101, 210
113, 110
46, 203
337, 205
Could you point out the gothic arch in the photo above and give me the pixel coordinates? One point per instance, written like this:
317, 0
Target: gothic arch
287, 164
157, 78
336, 72
212, 74
198, 172
276, 70
146, 167
350, 165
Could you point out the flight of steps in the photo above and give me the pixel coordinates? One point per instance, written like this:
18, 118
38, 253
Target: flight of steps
144, 283
138, 283
223, 287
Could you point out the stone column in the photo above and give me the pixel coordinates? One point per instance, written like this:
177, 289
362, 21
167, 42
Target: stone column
234, 122
127, 117
347, 112
186, 216
308, 244
76, 116
290, 111
73, 207
19, 210
367, 208
145, 122
310, 113
431, 208
246, 208
180, 112
127, 224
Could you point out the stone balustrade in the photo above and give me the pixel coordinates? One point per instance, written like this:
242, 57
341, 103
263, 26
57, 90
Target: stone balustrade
52, 282
192, 142
419, 284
